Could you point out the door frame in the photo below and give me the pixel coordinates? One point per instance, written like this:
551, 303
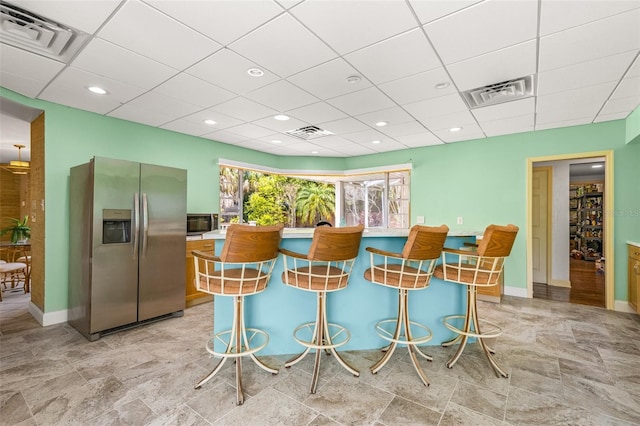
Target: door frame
549, 248
608, 223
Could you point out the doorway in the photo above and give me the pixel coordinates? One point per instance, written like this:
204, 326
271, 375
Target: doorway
574, 255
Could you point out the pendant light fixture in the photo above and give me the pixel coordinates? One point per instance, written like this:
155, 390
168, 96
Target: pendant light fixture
17, 167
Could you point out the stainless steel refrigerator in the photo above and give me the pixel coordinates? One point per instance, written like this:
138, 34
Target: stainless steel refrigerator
127, 239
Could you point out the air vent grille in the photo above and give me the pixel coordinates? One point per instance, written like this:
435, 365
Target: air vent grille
308, 133
28, 31
498, 93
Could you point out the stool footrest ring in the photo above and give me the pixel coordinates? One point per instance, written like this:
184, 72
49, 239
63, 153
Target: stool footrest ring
495, 330
339, 336
232, 351
388, 334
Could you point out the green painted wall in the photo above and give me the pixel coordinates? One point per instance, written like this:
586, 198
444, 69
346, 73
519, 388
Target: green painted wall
484, 180
633, 126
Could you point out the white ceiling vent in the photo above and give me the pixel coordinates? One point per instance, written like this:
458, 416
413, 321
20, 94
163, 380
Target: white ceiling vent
308, 133
28, 31
498, 93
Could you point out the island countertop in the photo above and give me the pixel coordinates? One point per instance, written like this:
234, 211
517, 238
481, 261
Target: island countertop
368, 233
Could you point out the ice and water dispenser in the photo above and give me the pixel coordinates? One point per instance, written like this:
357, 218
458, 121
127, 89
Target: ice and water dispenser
116, 226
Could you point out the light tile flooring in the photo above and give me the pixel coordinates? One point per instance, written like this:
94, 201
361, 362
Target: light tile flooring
568, 365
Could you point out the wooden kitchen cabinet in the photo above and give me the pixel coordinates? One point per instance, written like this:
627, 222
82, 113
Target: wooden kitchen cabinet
193, 296
634, 277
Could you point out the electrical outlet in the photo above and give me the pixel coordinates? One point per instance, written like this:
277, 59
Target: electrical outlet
420, 219
460, 220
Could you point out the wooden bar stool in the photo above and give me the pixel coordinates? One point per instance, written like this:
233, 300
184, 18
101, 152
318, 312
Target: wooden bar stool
476, 269
325, 268
243, 269
407, 271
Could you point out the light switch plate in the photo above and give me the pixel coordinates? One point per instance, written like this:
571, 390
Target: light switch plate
420, 219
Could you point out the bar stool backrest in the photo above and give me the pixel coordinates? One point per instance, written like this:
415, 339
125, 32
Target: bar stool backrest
425, 242
497, 241
331, 244
246, 243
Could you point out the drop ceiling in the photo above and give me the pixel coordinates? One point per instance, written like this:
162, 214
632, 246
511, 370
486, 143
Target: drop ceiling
340, 65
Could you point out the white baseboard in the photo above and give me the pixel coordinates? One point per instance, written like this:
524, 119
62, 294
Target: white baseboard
623, 306
560, 283
515, 291
49, 318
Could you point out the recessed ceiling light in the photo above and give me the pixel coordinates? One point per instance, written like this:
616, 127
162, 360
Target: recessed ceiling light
281, 117
314, 152
596, 166
353, 79
381, 123
442, 85
375, 142
455, 129
276, 141
97, 90
209, 122
255, 72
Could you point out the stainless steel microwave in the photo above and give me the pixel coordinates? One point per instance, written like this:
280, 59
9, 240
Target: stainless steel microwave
199, 223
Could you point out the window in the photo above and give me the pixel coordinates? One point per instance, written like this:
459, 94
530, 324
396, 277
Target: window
377, 200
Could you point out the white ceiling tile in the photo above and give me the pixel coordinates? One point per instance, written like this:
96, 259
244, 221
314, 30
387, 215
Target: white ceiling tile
24, 72
354, 149
404, 129
285, 140
395, 115
222, 121
629, 87
280, 126
150, 33
259, 145
387, 145
350, 25
193, 90
565, 123
320, 112
70, 88
225, 137
424, 138
560, 15
343, 126
227, 69
332, 142
523, 123
140, 115
436, 106
609, 117
244, 109
250, 130
112, 61
367, 100
621, 105
366, 136
85, 16
282, 96
430, 10
469, 132
329, 80
573, 104
462, 119
396, 57
634, 70
187, 127
606, 37
419, 87
284, 47
516, 108
486, 19
583, 74
223, 21
515, 62
164, 105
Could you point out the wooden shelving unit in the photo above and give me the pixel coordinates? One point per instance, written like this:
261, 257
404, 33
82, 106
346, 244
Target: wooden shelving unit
586, 219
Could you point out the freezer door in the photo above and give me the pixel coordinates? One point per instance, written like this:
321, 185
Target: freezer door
114, 283
162, 240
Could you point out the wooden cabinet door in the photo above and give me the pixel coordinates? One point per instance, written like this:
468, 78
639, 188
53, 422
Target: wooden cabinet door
634, 277
193, 296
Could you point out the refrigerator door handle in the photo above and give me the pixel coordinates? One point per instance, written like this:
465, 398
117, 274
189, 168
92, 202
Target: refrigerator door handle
136, 219
145, 223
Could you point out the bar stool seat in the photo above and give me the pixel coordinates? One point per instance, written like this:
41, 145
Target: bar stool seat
243, 269
407, 271
324, 269
473, 270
